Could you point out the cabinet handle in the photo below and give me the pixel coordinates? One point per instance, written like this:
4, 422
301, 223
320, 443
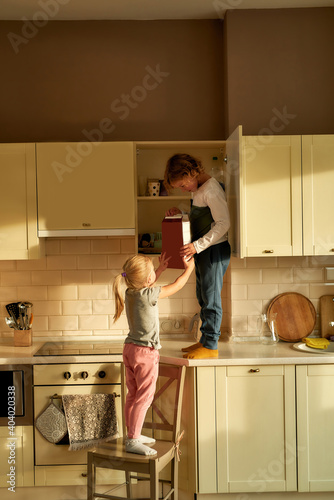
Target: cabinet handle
84, 474
254, 370
332, 250
86, 224
268, 251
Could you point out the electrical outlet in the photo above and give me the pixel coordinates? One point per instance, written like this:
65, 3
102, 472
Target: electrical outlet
174, 325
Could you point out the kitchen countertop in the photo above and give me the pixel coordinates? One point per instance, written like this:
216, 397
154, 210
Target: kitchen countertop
230, 354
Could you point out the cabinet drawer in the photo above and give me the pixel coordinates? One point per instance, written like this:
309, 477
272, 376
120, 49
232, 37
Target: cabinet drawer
258, 370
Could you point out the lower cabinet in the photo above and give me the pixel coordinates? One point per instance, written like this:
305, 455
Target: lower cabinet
246, 434
16, 457
315, 410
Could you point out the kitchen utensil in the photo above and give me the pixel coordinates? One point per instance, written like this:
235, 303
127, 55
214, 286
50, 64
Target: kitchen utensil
24, 318
14, 312
296, 316
10, 322
267, 328
327, 315
31, 320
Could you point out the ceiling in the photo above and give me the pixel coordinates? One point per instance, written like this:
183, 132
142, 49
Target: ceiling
138, 9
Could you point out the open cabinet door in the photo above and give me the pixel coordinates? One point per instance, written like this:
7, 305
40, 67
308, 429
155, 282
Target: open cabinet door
233, 190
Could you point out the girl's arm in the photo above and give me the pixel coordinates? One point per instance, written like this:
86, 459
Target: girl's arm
179, 283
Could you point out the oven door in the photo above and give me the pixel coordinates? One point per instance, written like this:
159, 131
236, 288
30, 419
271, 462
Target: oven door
55, 454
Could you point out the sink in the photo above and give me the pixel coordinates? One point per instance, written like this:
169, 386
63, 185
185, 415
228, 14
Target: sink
301, 346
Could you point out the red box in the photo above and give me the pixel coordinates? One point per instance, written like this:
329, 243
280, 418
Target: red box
175, 234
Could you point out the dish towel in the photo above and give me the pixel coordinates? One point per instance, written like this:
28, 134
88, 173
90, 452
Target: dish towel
91, 419
318, 343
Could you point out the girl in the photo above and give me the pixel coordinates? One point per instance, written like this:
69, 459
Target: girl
209, 223
140, 353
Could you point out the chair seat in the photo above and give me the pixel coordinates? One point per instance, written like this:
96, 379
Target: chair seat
115, 450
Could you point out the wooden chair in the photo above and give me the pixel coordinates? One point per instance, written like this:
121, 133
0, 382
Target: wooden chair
164, 415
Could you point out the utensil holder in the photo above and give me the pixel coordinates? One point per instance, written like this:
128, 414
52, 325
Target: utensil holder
22, 338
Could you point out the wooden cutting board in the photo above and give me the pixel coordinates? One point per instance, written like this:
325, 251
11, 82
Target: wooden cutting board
296, 316
327, 315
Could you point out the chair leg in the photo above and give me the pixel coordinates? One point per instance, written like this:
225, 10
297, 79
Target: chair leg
91, 478
154, 481
175, 478
128, 484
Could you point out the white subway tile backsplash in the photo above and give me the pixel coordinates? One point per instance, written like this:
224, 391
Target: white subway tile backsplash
75, 246
93, 292
302, 274
77, 307
46, 278
61, 262
92, 262
106, 246
66, 292
277, 275
93, 322
71, 288
76, 277
63, 322
16, 278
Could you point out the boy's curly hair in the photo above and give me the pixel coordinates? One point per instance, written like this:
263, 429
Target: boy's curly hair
179, 166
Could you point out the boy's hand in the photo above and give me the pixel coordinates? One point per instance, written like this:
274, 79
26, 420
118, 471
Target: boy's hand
187, 251
173, 211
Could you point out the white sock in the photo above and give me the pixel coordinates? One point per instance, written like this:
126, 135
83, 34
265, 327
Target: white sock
146, 439
135, 446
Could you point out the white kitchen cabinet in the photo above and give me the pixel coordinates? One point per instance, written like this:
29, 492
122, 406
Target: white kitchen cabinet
315, 416
86, 188
318, 197
151, 162
18, 204
17, 453
264, 193
246, 438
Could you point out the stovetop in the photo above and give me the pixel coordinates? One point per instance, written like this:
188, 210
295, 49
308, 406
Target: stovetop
77, 348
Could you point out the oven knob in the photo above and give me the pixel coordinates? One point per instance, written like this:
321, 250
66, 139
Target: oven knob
67, 375
102, 374
84, 375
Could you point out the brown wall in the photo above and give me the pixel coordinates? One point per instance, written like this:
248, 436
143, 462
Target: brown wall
279, 71
65, 77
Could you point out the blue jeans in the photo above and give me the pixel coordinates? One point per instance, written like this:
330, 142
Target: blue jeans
210, 267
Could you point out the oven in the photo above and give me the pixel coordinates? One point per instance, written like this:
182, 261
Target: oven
16, 395
51, 381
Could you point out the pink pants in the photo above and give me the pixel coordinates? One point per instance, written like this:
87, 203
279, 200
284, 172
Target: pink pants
141, 372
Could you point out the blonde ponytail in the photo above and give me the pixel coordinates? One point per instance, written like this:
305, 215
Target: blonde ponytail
135, 273
119, 301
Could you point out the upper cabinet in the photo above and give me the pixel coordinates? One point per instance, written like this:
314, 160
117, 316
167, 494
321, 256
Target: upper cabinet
18, 210
318, 198
86, 188
279, 194
151, 162
264, 194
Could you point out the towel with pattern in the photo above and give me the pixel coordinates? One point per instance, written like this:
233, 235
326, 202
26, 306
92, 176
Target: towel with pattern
91, 419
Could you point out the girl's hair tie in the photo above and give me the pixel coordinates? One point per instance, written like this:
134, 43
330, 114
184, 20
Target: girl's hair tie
123, 274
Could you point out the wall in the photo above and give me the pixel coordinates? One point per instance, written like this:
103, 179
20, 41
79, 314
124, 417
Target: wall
279, 75
111, 80
71, 289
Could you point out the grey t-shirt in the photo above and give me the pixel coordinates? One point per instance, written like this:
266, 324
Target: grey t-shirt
143, 316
